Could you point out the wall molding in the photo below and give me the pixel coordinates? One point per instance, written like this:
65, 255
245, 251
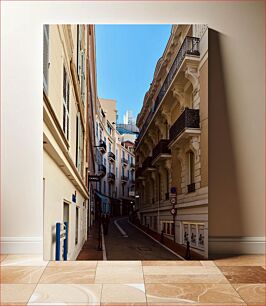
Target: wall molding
236, 245
21, 245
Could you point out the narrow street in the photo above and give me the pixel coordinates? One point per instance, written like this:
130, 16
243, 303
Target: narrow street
135, 245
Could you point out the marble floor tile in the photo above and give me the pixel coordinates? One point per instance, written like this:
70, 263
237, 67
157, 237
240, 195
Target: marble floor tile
2, 257
24, 260
21, 275
66, 294
123, 293
119, 274
208, 263
192, 294
251, 293
68, 275
16, 293
182, 274
171, 263
120, 263
241, 274
243, 260
73, 263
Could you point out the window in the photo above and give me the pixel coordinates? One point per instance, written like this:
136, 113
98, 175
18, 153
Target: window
105, 139
116, 171
116, 154
65, 103
194, 233
77, 226
110, 147
101, 134
190, 167
45, 57
104, 187
168, 227
79, 144
128, 173
109, 128
97, 129
104, 161
82, 76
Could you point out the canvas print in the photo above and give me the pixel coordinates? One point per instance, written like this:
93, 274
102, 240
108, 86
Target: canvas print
125, 142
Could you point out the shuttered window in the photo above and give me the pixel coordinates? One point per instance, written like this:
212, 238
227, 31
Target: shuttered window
45, 57
65, 103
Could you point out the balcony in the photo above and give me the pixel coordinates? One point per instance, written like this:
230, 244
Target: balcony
190, 47
102, 146
101, 170
139, 175
191, 187
161, 151
132, 166
124, 161
124, 179
111, 156
111, 177
186, 125
147, 164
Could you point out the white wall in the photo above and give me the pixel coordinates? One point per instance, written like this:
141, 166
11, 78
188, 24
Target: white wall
236, 109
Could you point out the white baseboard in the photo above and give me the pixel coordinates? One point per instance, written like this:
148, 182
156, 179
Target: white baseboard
21, 245
236, 245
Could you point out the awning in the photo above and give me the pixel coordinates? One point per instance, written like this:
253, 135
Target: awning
105, 203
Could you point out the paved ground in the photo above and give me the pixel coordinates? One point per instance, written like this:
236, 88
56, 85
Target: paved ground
137, 246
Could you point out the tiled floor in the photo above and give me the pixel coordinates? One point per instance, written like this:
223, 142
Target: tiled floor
28, 280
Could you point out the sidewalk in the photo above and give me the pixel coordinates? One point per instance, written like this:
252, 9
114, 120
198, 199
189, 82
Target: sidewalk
89, 250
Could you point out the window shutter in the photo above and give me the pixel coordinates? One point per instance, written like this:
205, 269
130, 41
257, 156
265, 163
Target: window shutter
45, 56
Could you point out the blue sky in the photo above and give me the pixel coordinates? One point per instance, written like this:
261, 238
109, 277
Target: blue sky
126, 56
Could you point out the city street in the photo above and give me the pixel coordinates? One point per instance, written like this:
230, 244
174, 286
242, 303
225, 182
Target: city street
132, 244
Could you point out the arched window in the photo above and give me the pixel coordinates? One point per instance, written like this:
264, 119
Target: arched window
191, 171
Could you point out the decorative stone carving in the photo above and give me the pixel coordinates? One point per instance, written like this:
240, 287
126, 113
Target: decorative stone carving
191, 73
179, 95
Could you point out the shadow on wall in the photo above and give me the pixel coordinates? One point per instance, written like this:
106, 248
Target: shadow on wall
225, 218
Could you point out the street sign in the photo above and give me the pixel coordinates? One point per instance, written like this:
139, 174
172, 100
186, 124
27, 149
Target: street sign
173, 201
173, 190
173, 211
94, 178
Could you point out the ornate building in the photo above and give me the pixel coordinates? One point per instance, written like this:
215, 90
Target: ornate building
172, 147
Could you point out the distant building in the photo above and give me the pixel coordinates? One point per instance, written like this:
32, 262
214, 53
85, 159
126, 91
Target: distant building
115, 159
128, 118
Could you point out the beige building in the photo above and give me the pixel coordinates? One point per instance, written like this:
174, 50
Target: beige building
115, 160
69, 91
172, 148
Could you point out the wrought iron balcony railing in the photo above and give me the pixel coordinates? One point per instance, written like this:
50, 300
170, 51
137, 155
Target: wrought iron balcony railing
111, 155
111, 176
124, 160
161, 148
189, 47
102, 169
124, 178
188, 119
102, 145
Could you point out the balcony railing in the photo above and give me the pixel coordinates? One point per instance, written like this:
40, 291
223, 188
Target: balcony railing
139, 172
189, 47
124, 178
124, 160
111, 156
111, 176
102, 146
191, 187
188, 119
147, 163
161, 148
102, 170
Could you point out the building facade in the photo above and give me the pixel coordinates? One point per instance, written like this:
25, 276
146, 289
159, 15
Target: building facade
172, 147
115, 159
69, 91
